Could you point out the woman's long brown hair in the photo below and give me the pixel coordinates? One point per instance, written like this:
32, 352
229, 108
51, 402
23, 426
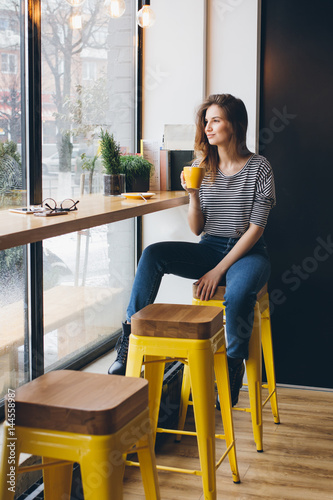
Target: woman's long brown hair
235, 112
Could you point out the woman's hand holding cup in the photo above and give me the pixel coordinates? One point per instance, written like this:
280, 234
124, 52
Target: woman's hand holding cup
191, 178
184, 186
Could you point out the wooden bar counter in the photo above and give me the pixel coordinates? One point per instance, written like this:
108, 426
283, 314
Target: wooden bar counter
93, 210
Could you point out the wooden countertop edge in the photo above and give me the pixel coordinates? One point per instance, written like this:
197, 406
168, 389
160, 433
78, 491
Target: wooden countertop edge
73, 223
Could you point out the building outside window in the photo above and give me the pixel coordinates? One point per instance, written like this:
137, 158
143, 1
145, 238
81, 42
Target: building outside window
4, 24
8, 63
89, 70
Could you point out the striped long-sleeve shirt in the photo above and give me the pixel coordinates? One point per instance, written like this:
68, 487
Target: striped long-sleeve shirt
231, 203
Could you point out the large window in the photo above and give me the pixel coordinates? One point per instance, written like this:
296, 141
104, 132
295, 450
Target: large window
88, 83
65, 297
87, 282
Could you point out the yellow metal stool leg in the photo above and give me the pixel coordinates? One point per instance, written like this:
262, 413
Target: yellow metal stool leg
223, 387
134, 358
184, 399
202, 383
154, 372
57, 480
254, 378
147, 461
222, 379
267, 347
102, 474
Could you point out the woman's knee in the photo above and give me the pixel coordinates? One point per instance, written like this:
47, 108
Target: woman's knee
153, 255
240, 299
152, 251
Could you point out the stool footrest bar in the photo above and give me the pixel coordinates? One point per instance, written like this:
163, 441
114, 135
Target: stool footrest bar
181, 470
185, 433
165, 360
268, 397
32, 468
224, 455
174, 431
193, 472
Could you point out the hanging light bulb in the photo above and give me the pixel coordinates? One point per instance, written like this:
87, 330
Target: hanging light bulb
145, 16
75, 3
75, 21
115, 8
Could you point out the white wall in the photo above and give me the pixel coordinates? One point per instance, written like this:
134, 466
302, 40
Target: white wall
174, 67
232, 53
169, 225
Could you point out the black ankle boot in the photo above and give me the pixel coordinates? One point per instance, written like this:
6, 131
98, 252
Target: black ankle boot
236, 373
118, 367
236, 370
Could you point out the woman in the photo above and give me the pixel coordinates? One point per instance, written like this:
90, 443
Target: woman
230, 211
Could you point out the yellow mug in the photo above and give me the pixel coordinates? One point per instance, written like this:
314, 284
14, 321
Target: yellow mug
193, 176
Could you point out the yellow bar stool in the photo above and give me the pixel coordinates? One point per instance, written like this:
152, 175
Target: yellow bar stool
260, 342
195, 336
68, 416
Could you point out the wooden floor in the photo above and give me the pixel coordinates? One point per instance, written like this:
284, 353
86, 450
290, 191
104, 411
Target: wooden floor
297, 462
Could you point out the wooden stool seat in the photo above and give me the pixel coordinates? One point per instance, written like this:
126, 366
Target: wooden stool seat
87, 403
220, 292
94, 420
183, 321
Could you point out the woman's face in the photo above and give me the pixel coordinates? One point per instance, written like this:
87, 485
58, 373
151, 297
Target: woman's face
218, 130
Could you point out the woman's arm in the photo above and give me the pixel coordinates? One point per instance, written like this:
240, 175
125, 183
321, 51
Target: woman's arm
195, 216
208, 283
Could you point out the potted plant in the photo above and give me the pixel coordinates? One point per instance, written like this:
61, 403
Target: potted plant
137, 170
114, 178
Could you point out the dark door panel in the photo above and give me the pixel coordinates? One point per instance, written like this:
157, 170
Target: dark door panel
296, 135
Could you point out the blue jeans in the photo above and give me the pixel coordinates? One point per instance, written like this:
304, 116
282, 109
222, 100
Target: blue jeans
243, 280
